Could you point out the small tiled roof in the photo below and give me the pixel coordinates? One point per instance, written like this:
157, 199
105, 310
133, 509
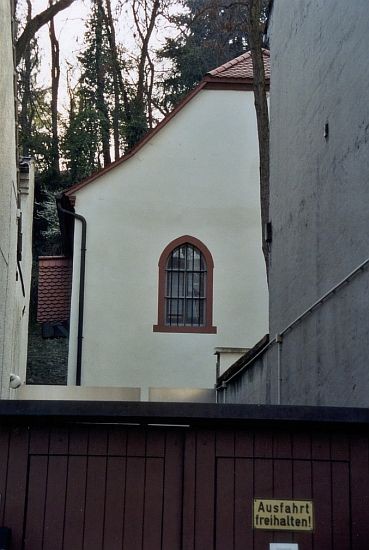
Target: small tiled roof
241, 67
54, 289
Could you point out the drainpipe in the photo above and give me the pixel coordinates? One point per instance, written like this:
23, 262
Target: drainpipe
81, 298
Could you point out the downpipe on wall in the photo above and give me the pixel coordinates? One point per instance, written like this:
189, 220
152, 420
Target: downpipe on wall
81, 297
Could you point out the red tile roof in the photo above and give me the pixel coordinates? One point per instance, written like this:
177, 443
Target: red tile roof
241, 67
54, 289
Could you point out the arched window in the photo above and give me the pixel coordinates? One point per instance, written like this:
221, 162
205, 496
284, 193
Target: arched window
185, 302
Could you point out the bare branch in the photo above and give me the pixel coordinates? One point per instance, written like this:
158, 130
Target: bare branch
36, 23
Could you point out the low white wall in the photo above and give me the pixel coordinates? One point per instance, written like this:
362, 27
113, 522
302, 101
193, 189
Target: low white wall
69, 393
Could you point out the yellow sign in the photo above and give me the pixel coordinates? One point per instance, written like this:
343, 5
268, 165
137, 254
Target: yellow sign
283, 515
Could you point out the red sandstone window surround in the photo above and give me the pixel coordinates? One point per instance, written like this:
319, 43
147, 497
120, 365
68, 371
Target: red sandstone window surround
185, 298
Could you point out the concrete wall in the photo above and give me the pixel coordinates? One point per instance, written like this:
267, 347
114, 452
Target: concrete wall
8, 201
319, 198
198, 176
13, 305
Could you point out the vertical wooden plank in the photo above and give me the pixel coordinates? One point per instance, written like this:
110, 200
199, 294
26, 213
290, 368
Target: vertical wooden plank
341, 506
224, 519
153, 508
340, 446
173, 490
320, 445
134, 502
244, 495
282, 444
225, 445
117, 441
322, 537
301, 444
244, 443
55, 503
359, 490
155, 445
282, 485
189, 477
98, 440
4, 450
75, 503
39, 440
78, 440
114, 503
136, 442
35, 504
205, 490
302, 490
17, 483
302, 478
263, 488
263, 444
59, 440
95, 503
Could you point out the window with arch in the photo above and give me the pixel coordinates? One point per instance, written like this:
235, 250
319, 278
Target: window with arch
185, 301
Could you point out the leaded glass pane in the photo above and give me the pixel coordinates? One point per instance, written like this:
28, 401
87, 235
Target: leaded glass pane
185, 287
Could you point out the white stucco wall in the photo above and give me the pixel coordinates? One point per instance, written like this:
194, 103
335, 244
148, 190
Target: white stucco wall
13, 305
8, 202
198, 176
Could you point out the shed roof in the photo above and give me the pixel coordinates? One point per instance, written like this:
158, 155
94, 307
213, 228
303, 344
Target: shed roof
54, 289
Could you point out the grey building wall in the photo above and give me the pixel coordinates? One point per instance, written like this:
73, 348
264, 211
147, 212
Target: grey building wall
319, 202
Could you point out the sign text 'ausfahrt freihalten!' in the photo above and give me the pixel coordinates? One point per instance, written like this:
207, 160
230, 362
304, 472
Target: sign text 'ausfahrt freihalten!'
284, 515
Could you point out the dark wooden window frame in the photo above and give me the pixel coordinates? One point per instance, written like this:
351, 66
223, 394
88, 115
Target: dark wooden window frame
208, 328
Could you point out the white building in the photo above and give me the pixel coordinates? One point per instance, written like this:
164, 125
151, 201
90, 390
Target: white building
16, 208
174, 267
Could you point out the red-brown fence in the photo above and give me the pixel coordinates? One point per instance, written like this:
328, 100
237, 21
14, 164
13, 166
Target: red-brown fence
74, 480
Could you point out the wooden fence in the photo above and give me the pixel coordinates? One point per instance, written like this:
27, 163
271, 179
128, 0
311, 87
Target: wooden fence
112, 476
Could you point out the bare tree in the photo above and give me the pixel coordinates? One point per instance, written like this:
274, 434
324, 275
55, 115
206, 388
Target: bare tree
55, 76
145, 15
100, 88
34, 24
254, 29
119, 87
25, 114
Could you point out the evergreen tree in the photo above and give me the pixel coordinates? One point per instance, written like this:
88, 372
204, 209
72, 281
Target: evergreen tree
213, 32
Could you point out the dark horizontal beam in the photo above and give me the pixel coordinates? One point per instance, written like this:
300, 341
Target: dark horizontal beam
177, 413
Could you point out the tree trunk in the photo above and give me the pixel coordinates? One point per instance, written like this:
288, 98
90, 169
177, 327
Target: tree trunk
55, 75
262, 116
139, 121
100, 93
115, 68
25, 114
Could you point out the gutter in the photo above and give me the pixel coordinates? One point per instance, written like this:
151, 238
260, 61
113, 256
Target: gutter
81, 297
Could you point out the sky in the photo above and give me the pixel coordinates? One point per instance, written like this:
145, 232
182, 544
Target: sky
70, 28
